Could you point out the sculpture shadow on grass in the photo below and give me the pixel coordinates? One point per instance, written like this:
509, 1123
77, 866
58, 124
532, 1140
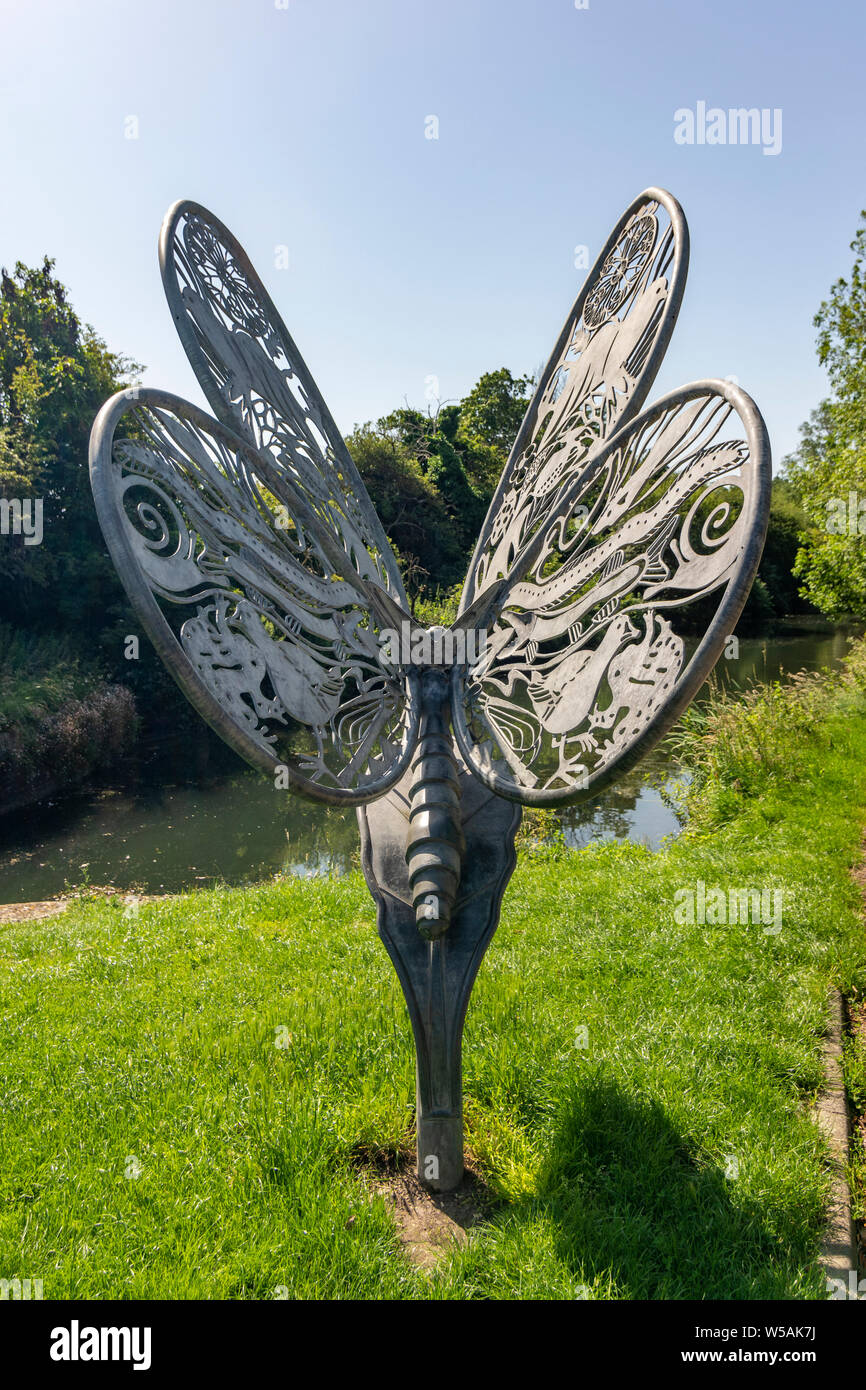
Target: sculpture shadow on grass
633, 1201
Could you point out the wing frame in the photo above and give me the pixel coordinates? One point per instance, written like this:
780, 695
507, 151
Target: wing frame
648, 372
159, 631
709, 649
223, 410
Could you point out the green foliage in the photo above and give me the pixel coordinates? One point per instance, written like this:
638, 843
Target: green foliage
55, 373
830, 463
447, 464
59, 720
439, 610
412, 511
490, 417
540, 834
740, 745
39, 674
787, 520
431, 478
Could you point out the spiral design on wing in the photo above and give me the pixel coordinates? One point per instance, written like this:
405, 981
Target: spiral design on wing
158, 520
716, 529
713, 524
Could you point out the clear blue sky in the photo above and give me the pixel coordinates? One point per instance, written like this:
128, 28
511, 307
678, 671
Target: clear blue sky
304, 126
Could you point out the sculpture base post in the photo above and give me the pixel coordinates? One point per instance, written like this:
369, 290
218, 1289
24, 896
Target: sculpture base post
440, 1151
437, 976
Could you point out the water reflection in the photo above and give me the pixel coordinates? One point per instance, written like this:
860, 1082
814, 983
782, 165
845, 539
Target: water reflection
633, 809
161, 840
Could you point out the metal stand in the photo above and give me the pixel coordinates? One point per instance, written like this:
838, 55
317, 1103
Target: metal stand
437, 976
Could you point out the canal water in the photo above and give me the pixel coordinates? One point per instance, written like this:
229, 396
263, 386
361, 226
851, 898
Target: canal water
157, 837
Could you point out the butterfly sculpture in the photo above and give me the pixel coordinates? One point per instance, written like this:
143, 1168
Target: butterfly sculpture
256, 563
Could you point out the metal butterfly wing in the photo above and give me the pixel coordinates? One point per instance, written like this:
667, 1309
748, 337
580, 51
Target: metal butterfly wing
606, 524
247, 543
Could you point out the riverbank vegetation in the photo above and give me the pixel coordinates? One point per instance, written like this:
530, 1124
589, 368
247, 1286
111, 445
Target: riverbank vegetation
202, 1093
61, 723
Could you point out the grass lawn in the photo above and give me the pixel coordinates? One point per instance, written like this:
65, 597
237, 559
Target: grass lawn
186, 1091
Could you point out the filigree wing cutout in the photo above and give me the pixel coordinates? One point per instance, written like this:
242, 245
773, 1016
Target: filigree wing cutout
596, 380
250, 600
257, 383
585, 659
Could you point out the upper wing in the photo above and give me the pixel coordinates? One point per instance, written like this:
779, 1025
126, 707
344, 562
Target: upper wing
598, 376
268, 625
258, 384
584, 660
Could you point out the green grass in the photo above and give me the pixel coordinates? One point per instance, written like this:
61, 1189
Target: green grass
673, 1156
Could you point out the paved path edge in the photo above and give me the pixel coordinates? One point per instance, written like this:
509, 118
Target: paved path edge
838, 1253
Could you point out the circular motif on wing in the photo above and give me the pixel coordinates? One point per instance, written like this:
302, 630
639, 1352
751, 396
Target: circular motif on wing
620, 272
216, 267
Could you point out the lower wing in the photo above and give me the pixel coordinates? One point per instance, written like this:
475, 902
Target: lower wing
587, 654
258, 614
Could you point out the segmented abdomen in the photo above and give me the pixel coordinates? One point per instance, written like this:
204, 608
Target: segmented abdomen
435, 843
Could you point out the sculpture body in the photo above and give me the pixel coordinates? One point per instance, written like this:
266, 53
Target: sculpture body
437, 973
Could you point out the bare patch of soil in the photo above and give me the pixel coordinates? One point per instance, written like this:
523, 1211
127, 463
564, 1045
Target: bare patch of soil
429, 1224
23, 912
52, 907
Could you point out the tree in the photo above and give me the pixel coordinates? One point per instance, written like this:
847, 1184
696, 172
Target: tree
413, 514
490, 417
448, 463
827, 473
55, 373
787, 522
